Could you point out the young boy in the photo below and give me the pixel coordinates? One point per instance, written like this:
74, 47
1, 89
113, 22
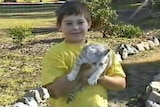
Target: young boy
74, 20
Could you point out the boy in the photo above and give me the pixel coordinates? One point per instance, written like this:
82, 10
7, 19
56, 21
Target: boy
74, 20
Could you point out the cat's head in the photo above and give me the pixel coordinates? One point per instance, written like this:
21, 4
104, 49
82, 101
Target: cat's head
95, 52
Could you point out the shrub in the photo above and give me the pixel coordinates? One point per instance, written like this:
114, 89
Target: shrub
123, 30
102, 14
156, 4
104, 18
19, 34
129, 31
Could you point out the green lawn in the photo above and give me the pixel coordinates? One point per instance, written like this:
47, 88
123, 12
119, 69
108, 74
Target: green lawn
15, 79
126, 6
33, 1
35, 20
28, 16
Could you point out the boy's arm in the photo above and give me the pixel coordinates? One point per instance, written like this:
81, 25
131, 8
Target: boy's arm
112, 82
60, 87
115, 77
54, 72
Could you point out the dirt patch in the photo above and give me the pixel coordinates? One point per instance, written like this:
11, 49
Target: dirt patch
140, 70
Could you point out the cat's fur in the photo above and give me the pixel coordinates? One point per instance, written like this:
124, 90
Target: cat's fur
94, 60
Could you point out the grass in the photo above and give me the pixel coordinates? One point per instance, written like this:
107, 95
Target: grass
17, 73
35, 23
33, 20
28, 15
126, 6
33, 1
18, 67
45, 7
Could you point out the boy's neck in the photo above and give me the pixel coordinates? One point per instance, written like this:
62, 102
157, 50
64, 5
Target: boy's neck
77, 43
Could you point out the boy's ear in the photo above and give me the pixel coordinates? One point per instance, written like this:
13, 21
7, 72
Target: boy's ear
89, 24
59, 28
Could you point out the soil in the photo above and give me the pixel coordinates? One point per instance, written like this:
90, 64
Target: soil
140, 70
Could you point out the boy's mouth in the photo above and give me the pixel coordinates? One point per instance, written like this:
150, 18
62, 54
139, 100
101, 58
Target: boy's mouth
74, 33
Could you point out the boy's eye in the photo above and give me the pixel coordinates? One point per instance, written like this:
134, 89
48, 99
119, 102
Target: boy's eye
80, 22
68, 23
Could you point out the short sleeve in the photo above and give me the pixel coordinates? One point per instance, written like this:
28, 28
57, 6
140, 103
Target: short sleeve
53, 65
116, 68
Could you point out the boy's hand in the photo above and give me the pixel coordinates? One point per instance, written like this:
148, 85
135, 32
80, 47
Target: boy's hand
60, 87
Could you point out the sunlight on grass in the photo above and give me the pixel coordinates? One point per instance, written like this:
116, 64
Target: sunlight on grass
135, 5
36, 1
126, 6
36, 23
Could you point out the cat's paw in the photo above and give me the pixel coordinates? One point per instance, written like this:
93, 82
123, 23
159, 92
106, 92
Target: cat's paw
92, 81
71, 77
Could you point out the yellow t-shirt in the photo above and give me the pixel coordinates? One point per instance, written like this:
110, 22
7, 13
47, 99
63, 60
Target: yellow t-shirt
59, 61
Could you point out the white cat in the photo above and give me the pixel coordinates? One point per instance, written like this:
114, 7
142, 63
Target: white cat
98, 56
93, 61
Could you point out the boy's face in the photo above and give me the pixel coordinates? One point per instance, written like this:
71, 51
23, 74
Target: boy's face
74, 28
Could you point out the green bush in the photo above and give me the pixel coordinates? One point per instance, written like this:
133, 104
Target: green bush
156, 4
102, 14
128, 31
104, 19
19, 34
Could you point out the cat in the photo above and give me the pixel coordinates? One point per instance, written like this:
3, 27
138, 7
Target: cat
93, 61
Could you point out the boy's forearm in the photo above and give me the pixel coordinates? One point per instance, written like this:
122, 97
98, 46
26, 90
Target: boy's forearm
59, 87
52, 88
112, 83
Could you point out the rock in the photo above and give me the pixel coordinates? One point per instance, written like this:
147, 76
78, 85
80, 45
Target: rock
151, 104
156, 41
155, 86
155, 97
145, 45
151, 44
126, 49
131, 50
122, 51
140, 47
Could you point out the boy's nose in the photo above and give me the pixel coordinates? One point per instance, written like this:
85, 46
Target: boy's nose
75, 26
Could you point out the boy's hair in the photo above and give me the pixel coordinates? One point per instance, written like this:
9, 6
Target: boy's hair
72, 8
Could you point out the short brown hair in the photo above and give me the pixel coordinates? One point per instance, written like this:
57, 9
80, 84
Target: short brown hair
72, 8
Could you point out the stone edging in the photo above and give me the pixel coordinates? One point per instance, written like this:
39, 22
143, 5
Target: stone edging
152, 92
123, 51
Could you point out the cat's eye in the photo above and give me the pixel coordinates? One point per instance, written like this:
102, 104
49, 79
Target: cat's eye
94, 63
101, 64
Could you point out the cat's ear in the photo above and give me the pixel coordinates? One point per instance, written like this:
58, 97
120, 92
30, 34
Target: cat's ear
85, 48
106, 51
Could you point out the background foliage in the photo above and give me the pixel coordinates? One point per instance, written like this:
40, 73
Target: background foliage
104, 19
